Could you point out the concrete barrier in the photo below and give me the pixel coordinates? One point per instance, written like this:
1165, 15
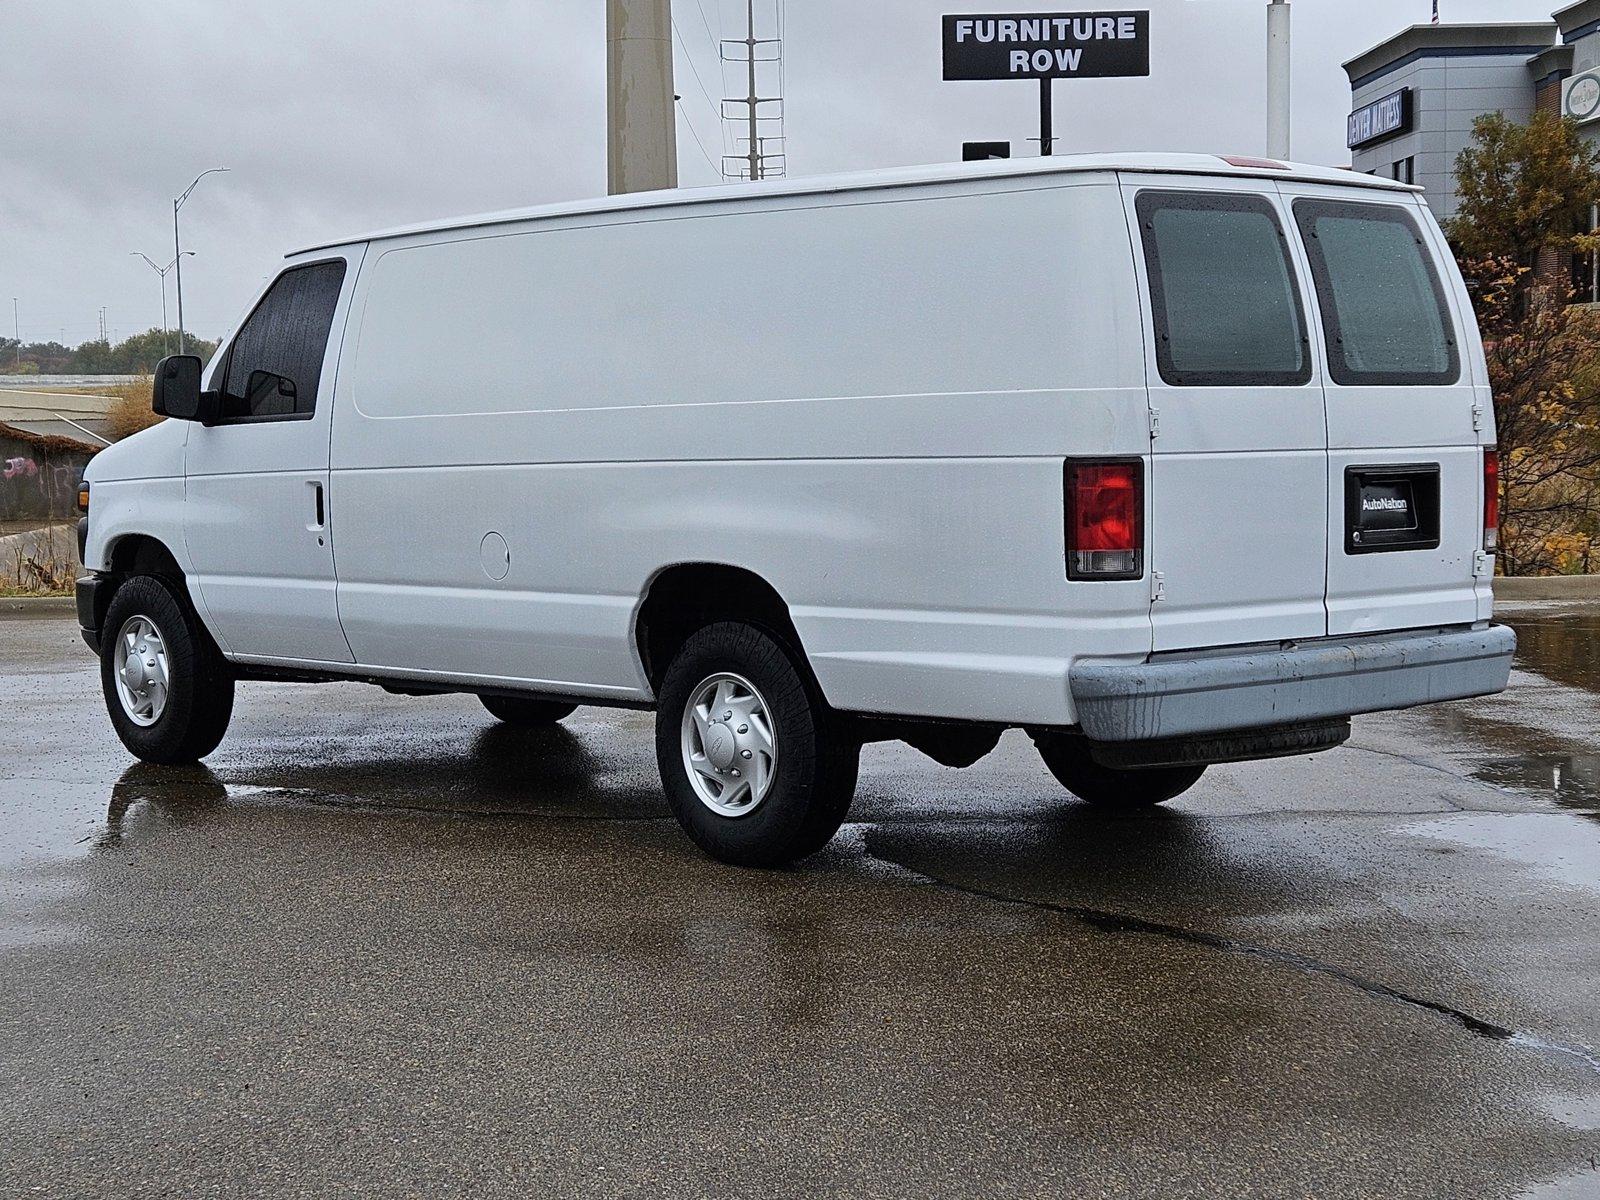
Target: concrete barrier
1547, 587
60, 607
32, 382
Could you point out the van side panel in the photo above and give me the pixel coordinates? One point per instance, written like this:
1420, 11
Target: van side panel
867, 401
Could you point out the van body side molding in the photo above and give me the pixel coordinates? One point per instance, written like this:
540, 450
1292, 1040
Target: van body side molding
1340, 677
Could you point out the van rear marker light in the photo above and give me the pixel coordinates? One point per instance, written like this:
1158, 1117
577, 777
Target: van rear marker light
1491, 499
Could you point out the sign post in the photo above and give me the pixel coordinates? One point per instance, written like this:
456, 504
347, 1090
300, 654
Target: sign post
1047, 47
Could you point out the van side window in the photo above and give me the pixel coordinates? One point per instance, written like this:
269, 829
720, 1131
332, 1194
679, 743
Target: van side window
1383, 307
1222, 290
275, 361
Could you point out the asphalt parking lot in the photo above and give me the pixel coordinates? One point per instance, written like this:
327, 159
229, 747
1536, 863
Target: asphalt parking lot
382, 946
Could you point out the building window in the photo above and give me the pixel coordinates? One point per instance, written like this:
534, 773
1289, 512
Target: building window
1405, 171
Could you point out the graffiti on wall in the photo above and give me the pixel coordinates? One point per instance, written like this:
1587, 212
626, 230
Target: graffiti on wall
38, 486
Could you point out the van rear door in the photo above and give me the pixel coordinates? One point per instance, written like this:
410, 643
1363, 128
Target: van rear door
1405, 465
1238, 536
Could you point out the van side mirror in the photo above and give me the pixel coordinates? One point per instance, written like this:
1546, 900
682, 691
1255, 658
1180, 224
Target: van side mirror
177, 388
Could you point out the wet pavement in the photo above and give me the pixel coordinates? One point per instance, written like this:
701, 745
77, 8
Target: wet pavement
382, 946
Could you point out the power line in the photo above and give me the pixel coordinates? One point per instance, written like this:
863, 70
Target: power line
679, 42
694, 134
708, 23
695, 71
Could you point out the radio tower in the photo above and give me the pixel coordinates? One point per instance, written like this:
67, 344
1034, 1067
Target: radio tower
757, 120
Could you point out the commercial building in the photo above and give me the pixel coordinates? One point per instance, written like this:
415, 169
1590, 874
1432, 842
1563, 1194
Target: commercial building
1414, 97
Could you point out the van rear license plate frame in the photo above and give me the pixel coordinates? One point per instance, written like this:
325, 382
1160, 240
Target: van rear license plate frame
1391, 507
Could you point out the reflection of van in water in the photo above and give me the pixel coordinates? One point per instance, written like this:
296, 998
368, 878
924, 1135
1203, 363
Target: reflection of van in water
1168, 460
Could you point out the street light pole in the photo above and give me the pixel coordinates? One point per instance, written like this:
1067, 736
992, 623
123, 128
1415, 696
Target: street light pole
177, 250
162, 271
1278, 104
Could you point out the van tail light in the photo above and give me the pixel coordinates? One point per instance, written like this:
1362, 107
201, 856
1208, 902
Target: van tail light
1491, 499
1105, 519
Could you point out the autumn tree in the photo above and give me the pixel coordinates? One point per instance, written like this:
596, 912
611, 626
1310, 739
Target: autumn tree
1524, 188
1544, 369
1524, 192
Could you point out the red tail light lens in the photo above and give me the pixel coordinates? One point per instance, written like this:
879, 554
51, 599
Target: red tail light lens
1491, 499
1105, 519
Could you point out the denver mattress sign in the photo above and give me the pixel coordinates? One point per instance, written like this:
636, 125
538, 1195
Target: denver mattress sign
1085, 45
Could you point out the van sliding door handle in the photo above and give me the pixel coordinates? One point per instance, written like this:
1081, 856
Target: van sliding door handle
319, 518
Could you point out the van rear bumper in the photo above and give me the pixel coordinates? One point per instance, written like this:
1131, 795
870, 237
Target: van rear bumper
1211, 692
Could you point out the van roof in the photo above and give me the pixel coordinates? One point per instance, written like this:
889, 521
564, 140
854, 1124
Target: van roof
1063, 164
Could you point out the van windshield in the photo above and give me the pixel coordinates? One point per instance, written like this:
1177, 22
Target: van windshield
1383, 307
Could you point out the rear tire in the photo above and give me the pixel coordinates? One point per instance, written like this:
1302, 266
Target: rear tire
167, 687
1067, 755
526, 712
757, 768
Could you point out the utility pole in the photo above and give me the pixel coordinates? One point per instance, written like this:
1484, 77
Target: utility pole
1278, 102
16, 328
177, 250
752, 99
757, 162
641, 118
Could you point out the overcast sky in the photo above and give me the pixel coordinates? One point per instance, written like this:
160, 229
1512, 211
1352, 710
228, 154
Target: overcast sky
340, 116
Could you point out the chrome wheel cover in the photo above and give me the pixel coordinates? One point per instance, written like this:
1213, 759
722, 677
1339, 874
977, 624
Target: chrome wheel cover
730, 747
139, 663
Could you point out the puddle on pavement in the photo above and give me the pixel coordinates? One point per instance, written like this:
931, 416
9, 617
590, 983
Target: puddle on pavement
1571, 780
1561, 645
1583, 1186
1553, 844
1575, 1112
48, 819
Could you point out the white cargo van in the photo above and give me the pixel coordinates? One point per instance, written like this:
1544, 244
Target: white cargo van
1169, 460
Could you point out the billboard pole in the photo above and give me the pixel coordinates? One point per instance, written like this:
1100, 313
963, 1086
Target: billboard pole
1046, 117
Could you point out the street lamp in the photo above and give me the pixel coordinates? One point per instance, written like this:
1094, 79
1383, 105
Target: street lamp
1278, 104
177, 250
162, 271
1278, 94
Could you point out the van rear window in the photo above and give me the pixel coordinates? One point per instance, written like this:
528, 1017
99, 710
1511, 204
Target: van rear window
1383, 307
1222, 290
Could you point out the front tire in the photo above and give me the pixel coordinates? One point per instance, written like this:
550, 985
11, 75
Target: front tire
1067, 755
167, 687
757, 768
527, 712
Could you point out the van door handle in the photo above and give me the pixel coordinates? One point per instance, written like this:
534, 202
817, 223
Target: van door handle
320, 518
